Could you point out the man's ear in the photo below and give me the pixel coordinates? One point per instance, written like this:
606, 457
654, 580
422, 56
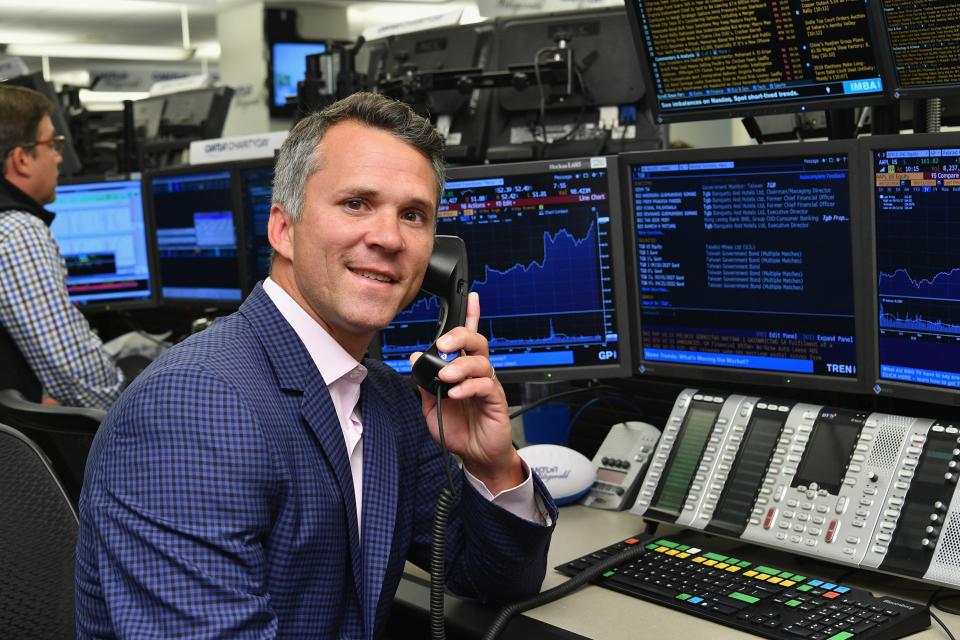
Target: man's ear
17, 164
280, 232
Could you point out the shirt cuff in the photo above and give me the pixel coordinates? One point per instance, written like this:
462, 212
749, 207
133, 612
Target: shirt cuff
519, 500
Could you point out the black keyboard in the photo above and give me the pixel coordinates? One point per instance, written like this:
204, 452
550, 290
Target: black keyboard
753, 598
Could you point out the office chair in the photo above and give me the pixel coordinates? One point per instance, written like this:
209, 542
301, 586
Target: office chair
38, 539
64, 434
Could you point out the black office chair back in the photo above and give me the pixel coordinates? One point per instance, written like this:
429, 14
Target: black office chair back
64, 434
38, 540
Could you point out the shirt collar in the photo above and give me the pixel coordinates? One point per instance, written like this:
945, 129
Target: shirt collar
12, 197
331, 359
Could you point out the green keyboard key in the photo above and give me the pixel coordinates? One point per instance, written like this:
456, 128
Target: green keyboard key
793, 603
715, 556
798, 578
743, 564
684, 596
843, 635
742, 597
804, 587
767, 570
668, 544
607, 574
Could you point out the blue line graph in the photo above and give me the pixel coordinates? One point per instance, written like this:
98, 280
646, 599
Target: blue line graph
916, 323
566, 279
943, 286
551, 339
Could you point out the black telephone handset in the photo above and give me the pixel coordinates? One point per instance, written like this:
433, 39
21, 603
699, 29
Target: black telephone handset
446, 278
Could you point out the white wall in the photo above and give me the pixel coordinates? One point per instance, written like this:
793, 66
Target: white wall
243, 66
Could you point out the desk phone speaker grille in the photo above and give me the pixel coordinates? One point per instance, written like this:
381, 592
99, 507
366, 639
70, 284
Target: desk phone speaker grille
946, 566
753, 597
886, 450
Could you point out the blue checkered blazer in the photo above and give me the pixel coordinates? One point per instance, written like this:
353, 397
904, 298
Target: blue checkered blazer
218, 500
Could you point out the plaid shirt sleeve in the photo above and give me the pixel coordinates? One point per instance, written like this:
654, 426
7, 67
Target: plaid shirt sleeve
51, 333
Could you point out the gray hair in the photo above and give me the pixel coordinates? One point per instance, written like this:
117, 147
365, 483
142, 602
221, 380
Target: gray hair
299, 156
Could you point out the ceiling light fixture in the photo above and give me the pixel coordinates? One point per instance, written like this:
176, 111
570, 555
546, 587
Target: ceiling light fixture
101, 51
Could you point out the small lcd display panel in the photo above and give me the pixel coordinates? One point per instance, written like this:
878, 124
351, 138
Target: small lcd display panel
683, 462
103, 235
611, 476
197, 236
827, 455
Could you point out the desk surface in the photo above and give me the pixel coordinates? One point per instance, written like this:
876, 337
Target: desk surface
595, 612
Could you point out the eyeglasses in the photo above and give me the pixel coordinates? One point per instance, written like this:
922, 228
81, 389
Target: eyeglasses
56, 143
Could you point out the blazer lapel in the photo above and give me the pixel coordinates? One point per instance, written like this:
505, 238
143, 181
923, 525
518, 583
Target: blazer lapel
295, 371
380, 482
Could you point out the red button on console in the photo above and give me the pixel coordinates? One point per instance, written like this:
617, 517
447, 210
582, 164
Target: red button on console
771, 516
832, 530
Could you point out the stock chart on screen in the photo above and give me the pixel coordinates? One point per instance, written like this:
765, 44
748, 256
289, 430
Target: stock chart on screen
917, 199
539, 248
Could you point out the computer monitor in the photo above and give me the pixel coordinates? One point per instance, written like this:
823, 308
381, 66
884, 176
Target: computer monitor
198, 113
288, 66
747, 265
545, 254
198, 235
549, 121
724, 59
461, 117
915, 185
106, 240
922, 46
147, 116
256, 194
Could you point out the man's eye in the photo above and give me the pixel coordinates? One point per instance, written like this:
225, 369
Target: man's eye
354, 204
414, 216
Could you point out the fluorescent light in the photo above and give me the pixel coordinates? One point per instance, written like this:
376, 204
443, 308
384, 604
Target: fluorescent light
90, 7
101, 51
21, 36
209, 50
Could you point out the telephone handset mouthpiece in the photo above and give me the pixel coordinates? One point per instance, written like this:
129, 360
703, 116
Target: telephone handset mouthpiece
446, 278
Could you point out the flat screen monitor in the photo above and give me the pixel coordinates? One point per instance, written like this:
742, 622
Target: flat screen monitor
915, 187
106, 240
566, 119
545, 254
724, 59
288, 66
147, 116
746, 264
256, 196
197, 232
922, 45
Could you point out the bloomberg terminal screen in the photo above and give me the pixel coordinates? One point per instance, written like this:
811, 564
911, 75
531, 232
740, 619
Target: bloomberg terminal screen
718, 55
539, 255
924, 37
746, 264
917, 204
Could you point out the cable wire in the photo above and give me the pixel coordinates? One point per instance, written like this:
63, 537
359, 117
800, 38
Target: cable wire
438, 543
574, 583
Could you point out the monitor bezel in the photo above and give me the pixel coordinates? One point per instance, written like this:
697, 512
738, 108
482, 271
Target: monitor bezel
153, 265
239, 230
285, 110
885, 51
703, 374
793, 106
621, 300
868, 146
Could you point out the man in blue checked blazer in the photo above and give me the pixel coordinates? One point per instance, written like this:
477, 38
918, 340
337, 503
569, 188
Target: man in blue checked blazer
263, 480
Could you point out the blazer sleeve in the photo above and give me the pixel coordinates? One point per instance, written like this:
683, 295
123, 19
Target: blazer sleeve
173, 516
491, 554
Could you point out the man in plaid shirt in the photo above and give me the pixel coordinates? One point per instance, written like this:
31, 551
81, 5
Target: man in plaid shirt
47, 349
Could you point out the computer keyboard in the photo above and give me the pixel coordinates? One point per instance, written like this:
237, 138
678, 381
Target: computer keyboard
753, 598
